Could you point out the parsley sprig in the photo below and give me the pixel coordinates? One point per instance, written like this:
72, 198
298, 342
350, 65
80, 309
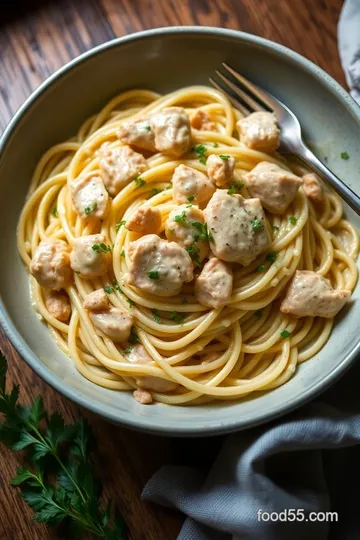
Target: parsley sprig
70, 497
201, 152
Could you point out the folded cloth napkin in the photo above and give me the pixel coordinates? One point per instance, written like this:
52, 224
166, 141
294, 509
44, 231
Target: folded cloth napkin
308, 461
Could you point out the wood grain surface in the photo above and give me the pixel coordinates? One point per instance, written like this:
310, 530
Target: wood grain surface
36, 38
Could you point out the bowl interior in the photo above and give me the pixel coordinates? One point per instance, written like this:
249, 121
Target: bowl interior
162, 61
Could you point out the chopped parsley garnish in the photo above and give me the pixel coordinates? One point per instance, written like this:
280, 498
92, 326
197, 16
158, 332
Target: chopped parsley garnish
275, 228
344, 155
271, 256
258, 314
260, 268
169, 186
156, 316
191, 198
120, 224
181, 217
116, 286
101, 248
201, 151
193, 251
130, 302
155, 191
139, 181
256, 224
216, 145
108, 289
225, 157
122, 254
90, 208
147, 128
235, 188
55, 212
153, 274
196, 237
293, 220
128, 349
134, 338
285, 334
204, 233
177, 317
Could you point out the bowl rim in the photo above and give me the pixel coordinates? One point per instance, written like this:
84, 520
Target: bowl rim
151, 424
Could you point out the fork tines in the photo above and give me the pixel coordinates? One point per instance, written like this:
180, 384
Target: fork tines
243, 94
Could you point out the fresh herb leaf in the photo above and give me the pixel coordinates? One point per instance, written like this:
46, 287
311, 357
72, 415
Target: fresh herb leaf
285, 334
293, 220
191, 198
147, 128
258, 314
256, 224
134, 338
130, 302
61, 488
216, 145
225, 157
177, 317
108, 289
155, 191
203, 230
156, 316
91, 208
118, 225
260, 268
275, 228
153, 274
128, 349
117, 287
344, 155
101, 248
139, 181
235, 188
181, 217
201, 151
194, 251
55, 212
271, 256
122, 254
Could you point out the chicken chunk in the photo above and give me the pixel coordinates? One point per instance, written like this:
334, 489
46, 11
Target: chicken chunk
58, 305
220, 169
89, 256
113, 323
213, 287
157, 266
237, 226
172, 133
186, 226
312, 187
259, 131
89, 196
145, 220
139, 355
142, 396
191, 185
120, 165
201, 120
275, 187
311, 295
50, 264
138, 133
96, 300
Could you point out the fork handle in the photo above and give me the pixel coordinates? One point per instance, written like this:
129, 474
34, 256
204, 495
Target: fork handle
353, 200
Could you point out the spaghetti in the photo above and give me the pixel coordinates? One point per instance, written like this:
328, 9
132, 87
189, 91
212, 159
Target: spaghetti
223, 353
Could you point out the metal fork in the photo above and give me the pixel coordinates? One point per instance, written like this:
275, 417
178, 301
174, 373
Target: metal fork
248, 98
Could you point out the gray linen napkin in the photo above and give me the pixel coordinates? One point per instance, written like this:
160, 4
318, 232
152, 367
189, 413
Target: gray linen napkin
307, 461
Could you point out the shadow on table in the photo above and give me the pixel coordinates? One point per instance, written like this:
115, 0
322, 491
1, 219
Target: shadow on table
14, 9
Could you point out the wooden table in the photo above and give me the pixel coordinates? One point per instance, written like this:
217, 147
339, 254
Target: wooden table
36, 38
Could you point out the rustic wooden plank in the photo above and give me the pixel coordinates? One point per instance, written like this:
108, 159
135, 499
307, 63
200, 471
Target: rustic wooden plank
306, 26
36, 41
